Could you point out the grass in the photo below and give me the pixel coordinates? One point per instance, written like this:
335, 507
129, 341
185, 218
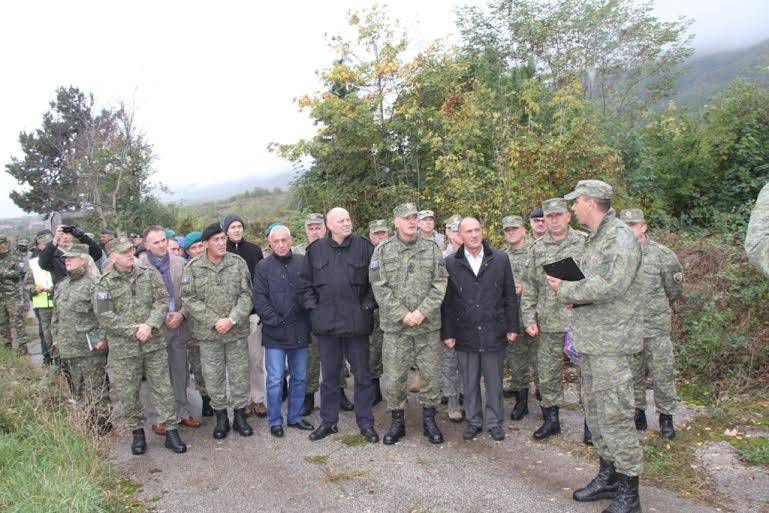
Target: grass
333, 477
352, 440
319, 459
49, 462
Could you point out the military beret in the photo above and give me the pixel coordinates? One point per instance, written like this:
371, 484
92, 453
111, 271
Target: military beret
190, 239
592, 188
554, 206
118, 244
76, 250
169, 233
314, 218
405, 210
424, 214
512, 222
107, 231
211, 230
537, 213
379, 225
632, 215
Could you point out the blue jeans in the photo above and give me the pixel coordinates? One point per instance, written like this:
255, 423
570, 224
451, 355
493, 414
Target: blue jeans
275, 363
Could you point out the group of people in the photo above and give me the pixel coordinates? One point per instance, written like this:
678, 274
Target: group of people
461, 313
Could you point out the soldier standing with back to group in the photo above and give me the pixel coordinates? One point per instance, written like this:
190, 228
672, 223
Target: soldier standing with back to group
11, 274
408, 276
660, 282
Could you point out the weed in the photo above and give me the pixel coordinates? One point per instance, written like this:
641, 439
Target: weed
319, 459
352, 440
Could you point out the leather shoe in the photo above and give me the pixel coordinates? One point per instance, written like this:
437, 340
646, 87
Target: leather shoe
159, 430
497, 433
370, 434
323, 431
344, 403
303, 425
276, 431
260, 410
471, 432
191, 422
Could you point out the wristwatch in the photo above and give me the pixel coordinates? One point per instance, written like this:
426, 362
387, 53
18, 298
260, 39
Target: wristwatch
233, 321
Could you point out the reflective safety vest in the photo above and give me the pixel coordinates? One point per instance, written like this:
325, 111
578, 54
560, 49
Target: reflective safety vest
42, 279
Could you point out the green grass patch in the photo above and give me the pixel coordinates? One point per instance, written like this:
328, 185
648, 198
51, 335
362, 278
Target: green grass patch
318, 459
352, 440
333, 477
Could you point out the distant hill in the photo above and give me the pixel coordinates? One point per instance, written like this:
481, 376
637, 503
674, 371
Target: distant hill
194, 193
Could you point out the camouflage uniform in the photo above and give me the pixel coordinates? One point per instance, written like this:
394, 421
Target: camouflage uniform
122, 300
408, 276
605, 331
540, 306
211, 291
757, 238
521, 355
11, 274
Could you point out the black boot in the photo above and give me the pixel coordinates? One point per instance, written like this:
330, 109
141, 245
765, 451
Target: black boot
587, 436
377, 391
239, 422
429, 427
397, 428
521, 408
173, 441
640, 419
551, 426
507, 393
222, 424
604, 486
206, 410
666, 426
344, 403
309, 404
627, 500
139, 445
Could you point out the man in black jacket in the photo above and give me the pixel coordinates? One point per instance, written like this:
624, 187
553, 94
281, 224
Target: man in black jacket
335, 288
479, 318
236, 243
52, 256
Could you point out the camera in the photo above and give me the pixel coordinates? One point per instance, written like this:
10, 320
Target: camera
68, 229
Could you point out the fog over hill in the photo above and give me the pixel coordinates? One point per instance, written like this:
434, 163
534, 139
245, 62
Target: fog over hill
201, 192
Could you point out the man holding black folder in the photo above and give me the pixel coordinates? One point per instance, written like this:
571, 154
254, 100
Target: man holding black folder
605, 331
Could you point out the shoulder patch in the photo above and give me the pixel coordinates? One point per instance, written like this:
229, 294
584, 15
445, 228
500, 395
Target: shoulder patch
678, 277
185, 279
374, 265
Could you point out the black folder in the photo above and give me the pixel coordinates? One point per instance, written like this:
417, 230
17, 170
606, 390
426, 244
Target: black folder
566, 269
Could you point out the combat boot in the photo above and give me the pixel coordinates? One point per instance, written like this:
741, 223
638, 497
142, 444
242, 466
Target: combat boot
309, 404
666, 426
222, 424
455, 411
239, 422
521, 408
587, 435
174, 442
344, 403
429, 427
627, 500
206, 410
397, 428
604, 486
377, 391
139, 444
552, 424
640, 419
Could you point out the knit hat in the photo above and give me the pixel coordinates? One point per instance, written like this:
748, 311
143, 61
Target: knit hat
231, 218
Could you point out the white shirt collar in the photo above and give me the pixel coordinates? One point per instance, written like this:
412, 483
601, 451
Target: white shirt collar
474, 261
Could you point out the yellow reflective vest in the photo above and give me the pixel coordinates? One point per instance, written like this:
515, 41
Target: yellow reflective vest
42, 279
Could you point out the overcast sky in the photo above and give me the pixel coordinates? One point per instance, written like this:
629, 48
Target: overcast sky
213, 83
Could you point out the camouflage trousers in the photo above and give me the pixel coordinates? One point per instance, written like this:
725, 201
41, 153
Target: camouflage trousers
451, 375
128, 381
550, 368
226, 364
44, 316
375, 350
521, 360
312, 379
193, 354
399, 352
607, 396
88, 381
11, 314
657, 356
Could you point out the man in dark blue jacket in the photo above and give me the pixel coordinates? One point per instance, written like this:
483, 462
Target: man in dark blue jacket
285, 331
479, 318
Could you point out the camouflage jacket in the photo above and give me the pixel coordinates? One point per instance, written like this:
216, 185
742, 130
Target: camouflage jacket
519, 265
757, 238
660, 282
538, 303
408, 276
211, 291
606, 320
74, 321
11, 272
123, 300
436, 237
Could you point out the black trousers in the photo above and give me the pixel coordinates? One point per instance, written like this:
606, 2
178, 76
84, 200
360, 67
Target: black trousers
333, 350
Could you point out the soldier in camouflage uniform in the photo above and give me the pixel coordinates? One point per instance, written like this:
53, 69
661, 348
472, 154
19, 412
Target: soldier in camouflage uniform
522, 354
131, 303
426, 219
605, 331
537, 224
660, 281
543, 316
11, 275
378, 231
79, 340
216, 289
757, 238
409, 279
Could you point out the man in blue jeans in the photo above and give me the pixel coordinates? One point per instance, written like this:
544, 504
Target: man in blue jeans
285, 330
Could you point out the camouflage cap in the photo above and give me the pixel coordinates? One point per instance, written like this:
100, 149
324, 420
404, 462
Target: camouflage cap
592, 188
379, 225
3, 239
632, 215
22, 242
424, 214
512, 222
449, 222
314, 218
118, 244
405, 210
76, 250
43, 238
554, 206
